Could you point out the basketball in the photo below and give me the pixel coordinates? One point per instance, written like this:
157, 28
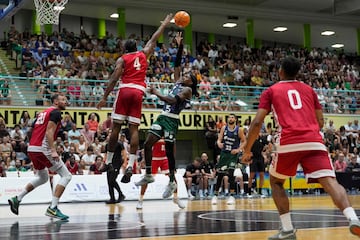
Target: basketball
182, 19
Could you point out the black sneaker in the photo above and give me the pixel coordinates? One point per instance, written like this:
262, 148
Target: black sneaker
121, 198
127, 176
111, 201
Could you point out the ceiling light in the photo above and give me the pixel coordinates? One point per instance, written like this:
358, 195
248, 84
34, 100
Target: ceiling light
337, 45
280, 29
229, 25
114, 15
58, 8
327, 33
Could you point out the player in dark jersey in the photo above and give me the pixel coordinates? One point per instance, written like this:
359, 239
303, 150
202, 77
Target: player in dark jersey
131, 70
117, 161
231, 140
167, 123
299, 118
43, 154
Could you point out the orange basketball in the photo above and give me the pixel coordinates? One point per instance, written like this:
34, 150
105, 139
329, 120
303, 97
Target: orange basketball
182, 19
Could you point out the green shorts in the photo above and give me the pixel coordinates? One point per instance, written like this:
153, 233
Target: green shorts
165, 127
227, 161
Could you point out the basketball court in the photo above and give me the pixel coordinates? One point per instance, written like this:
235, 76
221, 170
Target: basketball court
315, 217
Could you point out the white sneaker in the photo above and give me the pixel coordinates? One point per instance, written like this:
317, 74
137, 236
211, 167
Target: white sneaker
139, 205
191, 197
214, 200
230, 201
180, 203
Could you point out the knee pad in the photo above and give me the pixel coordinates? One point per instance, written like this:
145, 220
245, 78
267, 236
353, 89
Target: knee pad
42, 177
65, 176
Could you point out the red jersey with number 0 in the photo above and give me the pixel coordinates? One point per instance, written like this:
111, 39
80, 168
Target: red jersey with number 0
293, 104
135, 67
38, 141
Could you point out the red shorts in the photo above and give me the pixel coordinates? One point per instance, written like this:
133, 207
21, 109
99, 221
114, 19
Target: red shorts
315, 164
128, 105
162, 164
40, 161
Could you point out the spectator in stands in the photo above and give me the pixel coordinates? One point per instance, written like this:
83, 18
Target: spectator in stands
82, 146
2, 168
199, 63
86, 95
96, 168
98, 147
352, 166
92, 122
87, 133
107, 124
73, 135
5, 93
211, 132
18, 167
18, 139
98, 92
5, 147
340, 164
73, 166
89, 158
40, 57
72, 152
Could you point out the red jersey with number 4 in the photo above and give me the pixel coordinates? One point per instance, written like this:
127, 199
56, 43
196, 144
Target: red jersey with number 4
293, 104
38, 141
159, 152
135, 67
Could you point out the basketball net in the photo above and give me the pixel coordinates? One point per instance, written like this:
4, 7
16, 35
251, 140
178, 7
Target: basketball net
48, 11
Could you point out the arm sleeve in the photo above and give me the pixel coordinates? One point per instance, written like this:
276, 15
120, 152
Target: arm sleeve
179, 55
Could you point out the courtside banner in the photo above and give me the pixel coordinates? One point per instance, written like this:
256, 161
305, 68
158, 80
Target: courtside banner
189, 119
84, 188
12, 186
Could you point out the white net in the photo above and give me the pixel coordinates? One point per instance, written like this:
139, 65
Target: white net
48, 11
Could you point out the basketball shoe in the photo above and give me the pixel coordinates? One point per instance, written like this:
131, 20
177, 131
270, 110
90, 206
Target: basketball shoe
56, 213
170, 189
14, 205
127, 175
355, 227
287, 235
148, 178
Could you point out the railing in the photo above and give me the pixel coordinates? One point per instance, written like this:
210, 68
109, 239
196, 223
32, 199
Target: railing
80, 92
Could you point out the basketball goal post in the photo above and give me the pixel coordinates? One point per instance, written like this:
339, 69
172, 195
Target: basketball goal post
48, 11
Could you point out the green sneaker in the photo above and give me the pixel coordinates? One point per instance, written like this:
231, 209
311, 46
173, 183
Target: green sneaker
14, 205
56, 213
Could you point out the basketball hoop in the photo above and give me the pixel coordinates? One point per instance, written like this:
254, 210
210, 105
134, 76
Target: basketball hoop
48, 11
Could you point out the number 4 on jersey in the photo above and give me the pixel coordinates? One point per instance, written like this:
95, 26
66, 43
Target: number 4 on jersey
137, 64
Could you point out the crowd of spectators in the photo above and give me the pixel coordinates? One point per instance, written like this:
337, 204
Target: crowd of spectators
80, 65
228, 72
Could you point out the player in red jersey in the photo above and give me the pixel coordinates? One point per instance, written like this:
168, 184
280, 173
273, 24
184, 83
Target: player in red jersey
42, 153
131, 70
160, 164
299, 118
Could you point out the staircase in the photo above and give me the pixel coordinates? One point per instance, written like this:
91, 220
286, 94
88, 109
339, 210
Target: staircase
9, 71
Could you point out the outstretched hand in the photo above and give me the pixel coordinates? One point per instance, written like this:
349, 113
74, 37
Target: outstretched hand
167, 19
178, 38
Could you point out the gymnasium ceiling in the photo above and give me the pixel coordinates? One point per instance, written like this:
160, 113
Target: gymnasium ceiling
341, 16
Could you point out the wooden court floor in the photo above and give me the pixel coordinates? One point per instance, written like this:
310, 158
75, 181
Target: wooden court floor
315, 217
